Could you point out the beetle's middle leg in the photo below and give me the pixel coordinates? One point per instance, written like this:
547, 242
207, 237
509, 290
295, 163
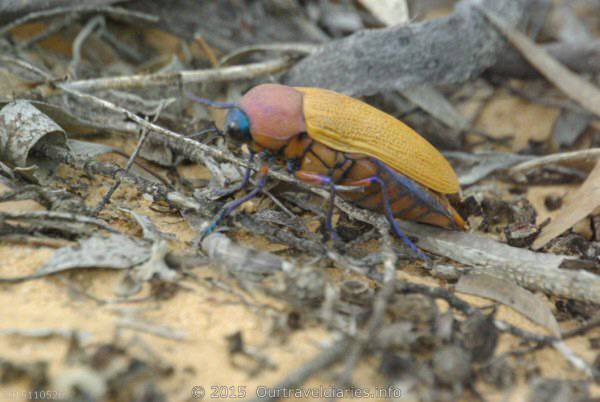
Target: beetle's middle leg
327, 180
324, 180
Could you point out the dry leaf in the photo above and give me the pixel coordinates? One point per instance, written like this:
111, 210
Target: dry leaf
116, 251
511, 295
569, 126
435, 103
578, 89
390, 12
576, 207
472, 167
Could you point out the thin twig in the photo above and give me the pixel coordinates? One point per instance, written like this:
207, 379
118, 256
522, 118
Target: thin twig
129, 164
117, 182
36, 241
581, 156
87, 30
26, 66
121, 47
115, 11
437, 293
207, 50
157, 330
542, 343
573, 358
293, 48
53, 215
179, 78
581, 330
53, 28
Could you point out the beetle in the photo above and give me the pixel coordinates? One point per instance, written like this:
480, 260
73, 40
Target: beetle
335, 140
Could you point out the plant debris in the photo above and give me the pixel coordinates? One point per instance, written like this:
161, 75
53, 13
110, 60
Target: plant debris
111, 179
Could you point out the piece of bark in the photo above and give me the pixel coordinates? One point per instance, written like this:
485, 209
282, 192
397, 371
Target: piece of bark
24, 132
533, 271
229, 24
442, 51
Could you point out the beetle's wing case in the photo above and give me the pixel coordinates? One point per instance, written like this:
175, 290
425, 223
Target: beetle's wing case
349, 125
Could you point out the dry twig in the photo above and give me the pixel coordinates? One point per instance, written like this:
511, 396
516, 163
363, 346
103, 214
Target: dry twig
53, 215
179, 78
114, 11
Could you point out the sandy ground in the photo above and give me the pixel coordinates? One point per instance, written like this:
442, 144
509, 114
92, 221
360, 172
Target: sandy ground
205, 314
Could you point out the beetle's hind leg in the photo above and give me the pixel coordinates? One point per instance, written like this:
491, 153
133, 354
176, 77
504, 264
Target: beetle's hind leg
390, 217
231, 206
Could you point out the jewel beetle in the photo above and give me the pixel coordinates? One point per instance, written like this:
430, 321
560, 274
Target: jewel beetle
335, 140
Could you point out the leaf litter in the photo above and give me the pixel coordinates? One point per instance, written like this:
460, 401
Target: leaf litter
266, 285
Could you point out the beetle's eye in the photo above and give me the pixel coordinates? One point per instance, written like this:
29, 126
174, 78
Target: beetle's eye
237, 125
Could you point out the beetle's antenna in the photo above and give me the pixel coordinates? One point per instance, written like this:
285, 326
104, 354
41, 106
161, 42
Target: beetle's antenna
206, 131
208, 102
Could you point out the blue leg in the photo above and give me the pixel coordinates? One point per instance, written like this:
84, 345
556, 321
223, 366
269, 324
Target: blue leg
228, 191
231, 206
325, 181
390, 217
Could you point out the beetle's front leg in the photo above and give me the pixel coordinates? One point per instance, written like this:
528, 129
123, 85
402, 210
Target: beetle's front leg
224, 192
231, 206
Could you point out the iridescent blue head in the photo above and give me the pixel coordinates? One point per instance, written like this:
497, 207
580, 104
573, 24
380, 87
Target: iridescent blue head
237, 125
237, 122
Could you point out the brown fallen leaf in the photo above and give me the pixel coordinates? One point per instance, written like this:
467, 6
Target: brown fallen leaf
576, 207
511, 295
575, 87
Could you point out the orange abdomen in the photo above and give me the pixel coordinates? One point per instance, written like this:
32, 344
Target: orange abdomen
408, 199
